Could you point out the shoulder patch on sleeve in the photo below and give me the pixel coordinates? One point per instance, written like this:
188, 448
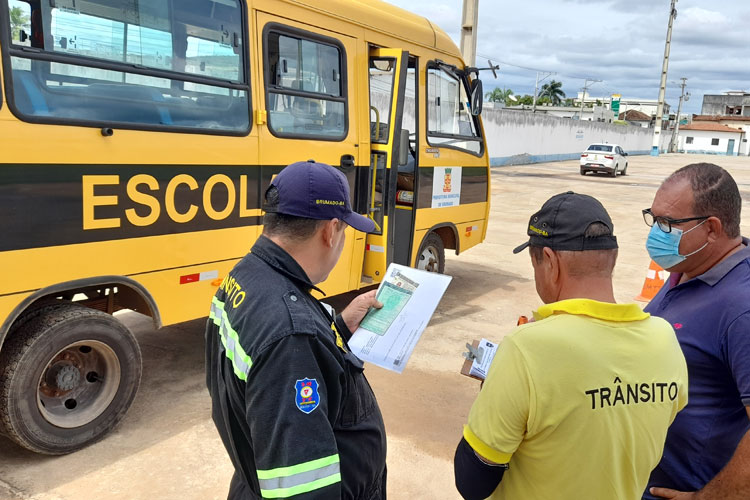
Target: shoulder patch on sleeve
306, 395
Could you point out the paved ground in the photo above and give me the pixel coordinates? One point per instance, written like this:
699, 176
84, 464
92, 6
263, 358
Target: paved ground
167, 447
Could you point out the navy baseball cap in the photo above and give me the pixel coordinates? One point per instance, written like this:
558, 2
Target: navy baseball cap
317, 191
562, 222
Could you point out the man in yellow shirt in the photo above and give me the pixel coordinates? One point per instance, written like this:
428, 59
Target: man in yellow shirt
576, 404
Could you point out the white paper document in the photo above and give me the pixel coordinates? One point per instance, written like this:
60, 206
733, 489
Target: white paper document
480, 366
386, 337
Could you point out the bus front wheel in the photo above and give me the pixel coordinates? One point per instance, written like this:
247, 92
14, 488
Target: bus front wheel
432, 254
68, 375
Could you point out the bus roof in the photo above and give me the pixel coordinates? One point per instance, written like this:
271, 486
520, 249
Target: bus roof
381, 16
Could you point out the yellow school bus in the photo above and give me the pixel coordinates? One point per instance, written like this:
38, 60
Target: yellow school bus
138, 138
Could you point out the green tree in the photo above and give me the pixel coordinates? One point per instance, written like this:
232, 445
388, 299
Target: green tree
526, 100
498, 95
502, 95
553, 91
17, 21
495, 95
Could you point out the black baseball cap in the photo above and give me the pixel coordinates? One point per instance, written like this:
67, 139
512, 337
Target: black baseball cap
562, 222
316, 191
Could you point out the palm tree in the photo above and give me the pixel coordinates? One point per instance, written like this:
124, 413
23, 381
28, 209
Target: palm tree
17, 20
553, 91
500, 95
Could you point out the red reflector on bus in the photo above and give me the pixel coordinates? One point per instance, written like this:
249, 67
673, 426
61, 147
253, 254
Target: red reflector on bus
190, 278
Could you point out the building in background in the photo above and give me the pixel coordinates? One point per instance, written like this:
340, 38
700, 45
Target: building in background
741, 123
711, 137
598, 109
646, 106
738, 122
732, 103
635, 117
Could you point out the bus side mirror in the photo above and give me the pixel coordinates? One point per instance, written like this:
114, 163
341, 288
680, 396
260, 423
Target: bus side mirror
403, 147
477, 97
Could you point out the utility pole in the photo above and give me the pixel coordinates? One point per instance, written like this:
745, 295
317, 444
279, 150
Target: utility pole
586, 84
536, 87
469, 32
676, 131
663, 85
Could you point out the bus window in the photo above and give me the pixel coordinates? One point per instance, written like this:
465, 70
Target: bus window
376, 184
20, 25
133, 64
20, 22
409, 122
305, 87
382, 74
449, 122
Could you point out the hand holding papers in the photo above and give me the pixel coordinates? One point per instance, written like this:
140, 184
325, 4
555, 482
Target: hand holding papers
480, 355
479, 358
394, 293
387, 336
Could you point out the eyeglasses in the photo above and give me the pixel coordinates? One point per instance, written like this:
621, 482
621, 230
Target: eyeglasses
665, 223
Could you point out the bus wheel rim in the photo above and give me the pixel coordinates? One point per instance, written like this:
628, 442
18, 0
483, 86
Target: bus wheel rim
429, 259
78, 384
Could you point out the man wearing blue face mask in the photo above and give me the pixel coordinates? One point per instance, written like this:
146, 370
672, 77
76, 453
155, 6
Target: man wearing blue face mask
695, 234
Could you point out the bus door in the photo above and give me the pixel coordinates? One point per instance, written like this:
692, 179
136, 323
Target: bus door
307, 112
394, 219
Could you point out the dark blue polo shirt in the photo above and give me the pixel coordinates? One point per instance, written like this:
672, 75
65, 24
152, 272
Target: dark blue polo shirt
711, 316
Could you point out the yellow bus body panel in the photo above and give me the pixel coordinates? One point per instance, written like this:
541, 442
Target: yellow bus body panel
159, 262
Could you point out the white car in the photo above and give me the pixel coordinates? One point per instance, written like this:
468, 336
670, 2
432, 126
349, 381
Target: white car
608, 158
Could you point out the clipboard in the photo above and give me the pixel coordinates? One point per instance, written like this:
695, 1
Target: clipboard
466, 367
475, 352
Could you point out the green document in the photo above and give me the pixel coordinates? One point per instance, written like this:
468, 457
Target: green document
394, 299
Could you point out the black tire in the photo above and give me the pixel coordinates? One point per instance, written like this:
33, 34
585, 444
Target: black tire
613, 173
583, 172
68, 375
624, 170
431, 255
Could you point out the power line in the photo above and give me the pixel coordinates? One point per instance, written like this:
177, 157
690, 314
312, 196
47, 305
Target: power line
675, 133
506, 63
494, 59
586, 85
536, 86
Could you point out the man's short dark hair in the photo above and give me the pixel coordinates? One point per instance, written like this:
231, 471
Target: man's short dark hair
595, 262
286, 226
715, 193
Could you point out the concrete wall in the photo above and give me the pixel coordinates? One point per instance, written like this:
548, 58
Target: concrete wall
516, 138
702, 142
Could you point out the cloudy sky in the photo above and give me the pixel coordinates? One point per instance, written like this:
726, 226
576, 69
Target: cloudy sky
620, 42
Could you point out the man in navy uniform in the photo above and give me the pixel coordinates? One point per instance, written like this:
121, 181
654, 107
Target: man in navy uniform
290, 401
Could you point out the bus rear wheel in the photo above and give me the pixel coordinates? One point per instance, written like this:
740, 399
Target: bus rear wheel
68, 375
432, 254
